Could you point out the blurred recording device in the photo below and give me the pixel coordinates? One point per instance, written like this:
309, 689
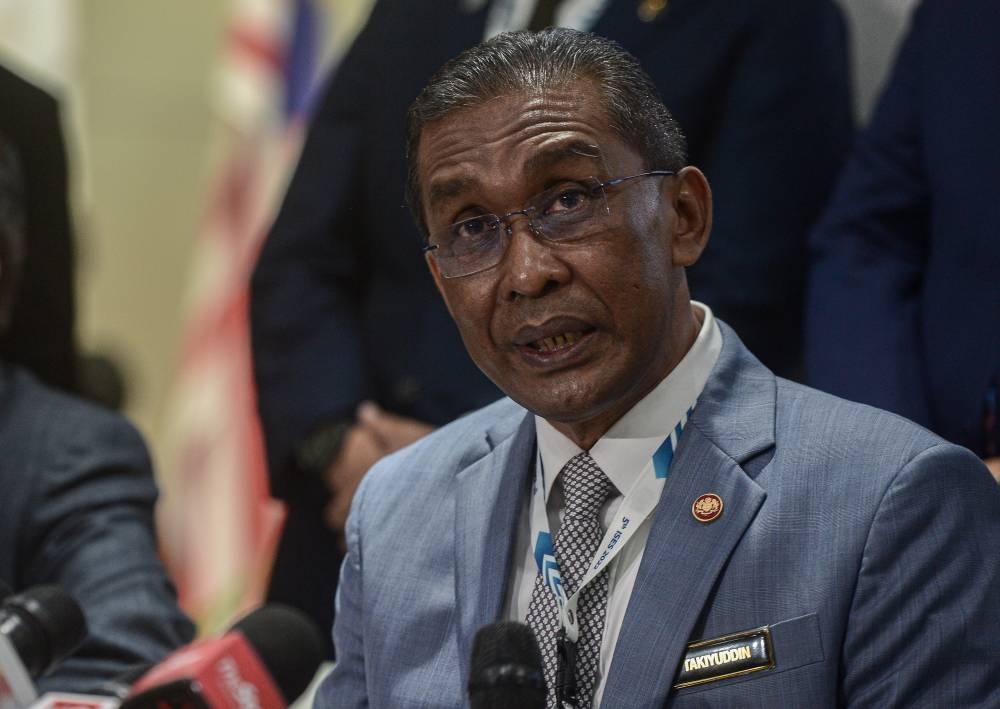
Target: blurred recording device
108, 695
506, 669
38, 628
266, 661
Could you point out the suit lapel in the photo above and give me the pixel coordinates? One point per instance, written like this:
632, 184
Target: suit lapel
732, 422
489, 497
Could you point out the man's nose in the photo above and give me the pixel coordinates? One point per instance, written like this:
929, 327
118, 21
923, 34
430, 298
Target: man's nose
530, 267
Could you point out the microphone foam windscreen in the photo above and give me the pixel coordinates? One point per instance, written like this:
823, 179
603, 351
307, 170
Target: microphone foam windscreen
288, 644
506, 667
56, 614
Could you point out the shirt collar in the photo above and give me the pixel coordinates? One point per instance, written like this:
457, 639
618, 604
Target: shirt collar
628, 446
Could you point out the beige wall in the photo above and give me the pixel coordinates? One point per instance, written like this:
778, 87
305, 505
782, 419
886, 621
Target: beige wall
144, 103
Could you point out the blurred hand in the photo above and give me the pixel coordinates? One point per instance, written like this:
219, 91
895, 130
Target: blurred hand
359, 451
994, 465
376, 434
392, 431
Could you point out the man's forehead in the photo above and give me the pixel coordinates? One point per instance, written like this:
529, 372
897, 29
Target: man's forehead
569, 151
517, 116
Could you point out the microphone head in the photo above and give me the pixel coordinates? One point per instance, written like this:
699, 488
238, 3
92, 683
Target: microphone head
45, 624
506, 668
287, 642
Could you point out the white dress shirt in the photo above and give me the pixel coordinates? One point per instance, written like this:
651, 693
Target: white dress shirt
509, 15
624, 454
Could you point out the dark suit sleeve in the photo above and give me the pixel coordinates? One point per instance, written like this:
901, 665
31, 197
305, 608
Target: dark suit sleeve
308, 284
925, 614
869, 252
774, 142
88, 527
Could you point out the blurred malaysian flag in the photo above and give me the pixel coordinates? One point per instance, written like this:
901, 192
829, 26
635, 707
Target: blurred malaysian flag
219, 526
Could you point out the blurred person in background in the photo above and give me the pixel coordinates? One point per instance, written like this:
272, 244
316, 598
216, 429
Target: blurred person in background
344, 312
904, 305
78, 497
40, 334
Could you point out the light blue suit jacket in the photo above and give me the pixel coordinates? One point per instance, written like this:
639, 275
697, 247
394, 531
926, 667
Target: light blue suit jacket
866, 544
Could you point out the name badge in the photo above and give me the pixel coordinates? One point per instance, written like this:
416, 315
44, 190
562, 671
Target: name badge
725, 657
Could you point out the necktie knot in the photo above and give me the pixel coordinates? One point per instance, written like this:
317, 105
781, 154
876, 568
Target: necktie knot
585, 486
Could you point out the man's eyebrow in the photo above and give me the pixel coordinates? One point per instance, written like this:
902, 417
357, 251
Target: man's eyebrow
441, 191
573, 151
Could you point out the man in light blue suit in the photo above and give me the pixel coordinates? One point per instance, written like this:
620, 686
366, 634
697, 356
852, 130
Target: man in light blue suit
677, 525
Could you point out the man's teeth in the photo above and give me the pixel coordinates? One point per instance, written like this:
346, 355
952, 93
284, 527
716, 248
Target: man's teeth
547, 344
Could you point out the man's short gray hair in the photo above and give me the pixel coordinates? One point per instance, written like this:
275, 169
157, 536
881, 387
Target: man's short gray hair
518, 61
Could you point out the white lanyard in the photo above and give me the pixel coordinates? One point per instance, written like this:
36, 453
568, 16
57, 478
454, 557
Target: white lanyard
639, 503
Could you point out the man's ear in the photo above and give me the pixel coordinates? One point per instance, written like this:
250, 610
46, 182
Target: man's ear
692, 200
438, 279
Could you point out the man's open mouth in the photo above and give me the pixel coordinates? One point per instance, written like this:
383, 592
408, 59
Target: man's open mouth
548, 344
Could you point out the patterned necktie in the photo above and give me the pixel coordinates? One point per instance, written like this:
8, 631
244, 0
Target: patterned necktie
585, 490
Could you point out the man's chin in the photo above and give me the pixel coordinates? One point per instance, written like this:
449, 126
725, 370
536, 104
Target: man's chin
571, 408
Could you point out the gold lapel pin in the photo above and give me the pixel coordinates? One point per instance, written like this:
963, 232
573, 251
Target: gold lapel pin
649, 10
707, 508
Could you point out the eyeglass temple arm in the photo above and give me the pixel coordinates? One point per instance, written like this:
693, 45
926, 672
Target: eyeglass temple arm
651, 173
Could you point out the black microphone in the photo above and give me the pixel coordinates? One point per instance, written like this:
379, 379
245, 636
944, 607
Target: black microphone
38, 628
506, 668
266, 660
44, 624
